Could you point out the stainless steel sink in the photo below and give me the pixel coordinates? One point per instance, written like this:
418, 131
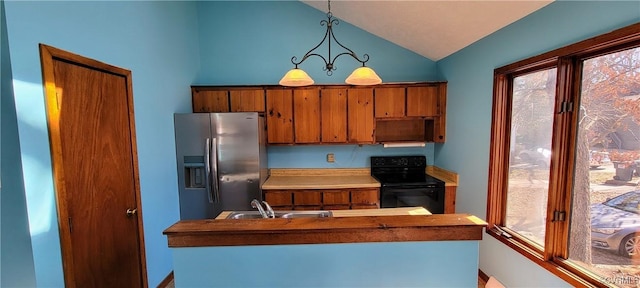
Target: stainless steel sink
281, 214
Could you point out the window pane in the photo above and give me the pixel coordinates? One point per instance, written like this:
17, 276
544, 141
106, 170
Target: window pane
531, 130
605, 234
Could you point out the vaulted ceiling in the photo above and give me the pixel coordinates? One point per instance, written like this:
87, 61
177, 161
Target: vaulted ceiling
433, 29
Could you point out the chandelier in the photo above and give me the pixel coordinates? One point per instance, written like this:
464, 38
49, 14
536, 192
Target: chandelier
360, 76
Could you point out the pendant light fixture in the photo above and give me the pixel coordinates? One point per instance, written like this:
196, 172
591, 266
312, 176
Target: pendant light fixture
361, 76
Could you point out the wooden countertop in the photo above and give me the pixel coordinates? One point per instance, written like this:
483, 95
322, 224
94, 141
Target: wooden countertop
355, 229
319, 179
450, 178
338, 178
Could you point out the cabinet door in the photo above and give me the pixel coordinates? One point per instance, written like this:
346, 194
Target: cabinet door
360, 119
335, 197
439, 129
280, 116
365, 198
333, 107
306, 115
251, 100
307, 198
389, 102
423, 101
209, 101
277, 198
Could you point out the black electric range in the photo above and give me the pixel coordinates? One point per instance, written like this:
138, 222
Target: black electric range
404, 183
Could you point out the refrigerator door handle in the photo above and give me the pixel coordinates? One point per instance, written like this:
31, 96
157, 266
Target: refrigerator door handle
214, 170
207, 168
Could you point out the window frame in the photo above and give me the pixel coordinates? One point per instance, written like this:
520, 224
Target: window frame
568, 61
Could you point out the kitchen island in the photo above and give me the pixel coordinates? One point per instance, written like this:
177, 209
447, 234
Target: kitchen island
397, 250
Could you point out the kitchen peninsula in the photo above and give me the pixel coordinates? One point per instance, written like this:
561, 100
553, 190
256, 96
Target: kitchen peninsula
399, 249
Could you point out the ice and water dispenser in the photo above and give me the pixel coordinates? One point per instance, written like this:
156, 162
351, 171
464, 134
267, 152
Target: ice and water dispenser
194, 172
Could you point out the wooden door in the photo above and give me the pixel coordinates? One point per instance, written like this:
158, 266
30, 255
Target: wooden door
249, 100
280, 116
360, 121
422, 101
333, 110
209, 101
306, 115
389, 102
93, 147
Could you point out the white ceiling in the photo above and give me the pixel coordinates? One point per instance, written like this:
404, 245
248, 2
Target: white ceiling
433, 29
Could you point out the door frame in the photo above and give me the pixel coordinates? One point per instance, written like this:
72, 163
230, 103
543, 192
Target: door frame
47, 56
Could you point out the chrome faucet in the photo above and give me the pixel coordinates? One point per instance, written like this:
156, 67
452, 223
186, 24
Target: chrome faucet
270, 212
256, 204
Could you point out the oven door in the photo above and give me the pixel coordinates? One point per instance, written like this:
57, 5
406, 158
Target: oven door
430, 198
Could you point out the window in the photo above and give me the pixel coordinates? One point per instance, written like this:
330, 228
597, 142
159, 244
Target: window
565, 154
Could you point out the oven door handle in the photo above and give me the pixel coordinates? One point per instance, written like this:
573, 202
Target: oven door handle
405, 190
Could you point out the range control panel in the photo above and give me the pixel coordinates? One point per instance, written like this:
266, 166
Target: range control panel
398, 161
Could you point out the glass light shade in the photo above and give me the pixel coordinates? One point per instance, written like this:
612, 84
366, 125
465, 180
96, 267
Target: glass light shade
363, 76
296, 78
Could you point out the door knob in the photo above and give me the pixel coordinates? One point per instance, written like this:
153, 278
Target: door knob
131, 212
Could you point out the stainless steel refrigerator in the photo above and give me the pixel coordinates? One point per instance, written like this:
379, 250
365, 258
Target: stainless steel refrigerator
222, 162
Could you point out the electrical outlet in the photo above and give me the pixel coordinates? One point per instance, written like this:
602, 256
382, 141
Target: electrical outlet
331, 158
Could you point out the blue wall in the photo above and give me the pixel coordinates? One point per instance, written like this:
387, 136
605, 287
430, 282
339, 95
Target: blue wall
16, 257
160, 43
157, 41
469, 73
252, 42
397, 264
171, 45
257, 50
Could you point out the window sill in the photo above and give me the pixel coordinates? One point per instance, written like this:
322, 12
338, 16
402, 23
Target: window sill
559, 267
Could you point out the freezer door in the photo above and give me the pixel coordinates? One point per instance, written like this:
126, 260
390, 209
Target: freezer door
193, 147
238, 159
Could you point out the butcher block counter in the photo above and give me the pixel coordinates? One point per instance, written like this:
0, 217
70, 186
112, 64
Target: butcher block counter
380, 225
280, 179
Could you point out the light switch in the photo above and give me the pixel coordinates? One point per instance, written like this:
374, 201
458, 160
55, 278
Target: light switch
330, 158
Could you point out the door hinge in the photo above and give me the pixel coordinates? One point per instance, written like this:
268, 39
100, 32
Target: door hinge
566, 107
57, 101
559, 216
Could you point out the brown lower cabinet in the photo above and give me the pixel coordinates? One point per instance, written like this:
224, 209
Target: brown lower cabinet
327, 199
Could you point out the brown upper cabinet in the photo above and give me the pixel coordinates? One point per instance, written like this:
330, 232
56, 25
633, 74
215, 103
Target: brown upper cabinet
423, 101
337, 114
390, 102
223, 99
247, 100
360, 121
333, 107
279, 116
306, 115
209, 100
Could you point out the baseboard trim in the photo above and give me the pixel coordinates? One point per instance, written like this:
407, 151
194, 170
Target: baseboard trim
483, 276
166, 280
